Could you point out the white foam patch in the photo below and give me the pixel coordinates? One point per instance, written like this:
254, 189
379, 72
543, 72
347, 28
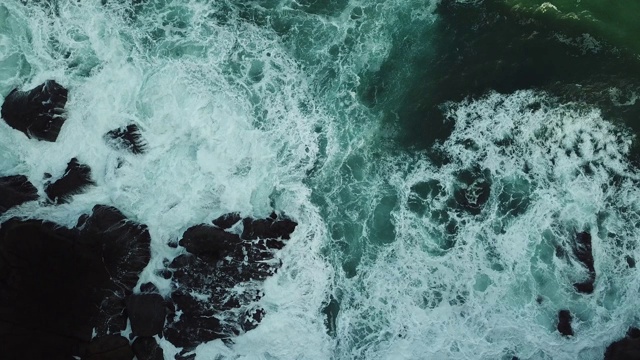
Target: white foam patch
474, 292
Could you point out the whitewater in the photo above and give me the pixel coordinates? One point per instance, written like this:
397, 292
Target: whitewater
449, 251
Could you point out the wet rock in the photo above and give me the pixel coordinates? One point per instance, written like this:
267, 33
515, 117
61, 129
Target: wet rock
630, 262
216, 263
227, 220
583, 252
15, 190
39, 112
627, 348
146, 348
76, 177
59, 285
148, 288
126, 138
207, 241
564, 323
273, 228
109, 347
146, 314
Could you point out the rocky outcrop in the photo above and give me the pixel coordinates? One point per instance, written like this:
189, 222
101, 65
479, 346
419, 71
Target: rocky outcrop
146, 348
109, 347
147, 313
76, 178
216, 262
564, 323
39, 112
15, 190
126, 138
58, 286
627, 348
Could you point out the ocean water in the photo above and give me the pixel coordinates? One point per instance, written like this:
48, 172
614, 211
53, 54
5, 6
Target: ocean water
436, 155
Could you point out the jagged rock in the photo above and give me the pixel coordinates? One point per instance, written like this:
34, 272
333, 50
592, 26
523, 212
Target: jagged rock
217, 262
209, 242
227, 220
564, 323
146, 314
583, 252
627, 348
59, 285
39, 112
147, 348
630, 262
15, 190
126, 138
76, 177
270, 228
109, 347
148, 288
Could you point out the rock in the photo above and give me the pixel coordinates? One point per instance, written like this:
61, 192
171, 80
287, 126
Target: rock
209, 242
39, 112
630, 262
627, 348
272, 228
126, 138
146, 314
564, 323
218, 262
227, 220
76, 177
58, 286
148, 288
15, 190
146, 348
583, 252
109, 347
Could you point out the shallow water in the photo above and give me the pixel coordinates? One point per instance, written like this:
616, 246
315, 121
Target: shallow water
435, 155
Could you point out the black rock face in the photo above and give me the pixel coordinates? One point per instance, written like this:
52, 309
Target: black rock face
564, 323
217, 262
15, 190
146, 313
146, 348
76, 177
109, 347
39, 112
58, 285
627, 348
583, 252
126, 138
227, 220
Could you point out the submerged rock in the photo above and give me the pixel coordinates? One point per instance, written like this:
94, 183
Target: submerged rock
564, 323
15, 190
627, 348
76, 178
583, 252
39, 112
207, 278
227, 220
126, 138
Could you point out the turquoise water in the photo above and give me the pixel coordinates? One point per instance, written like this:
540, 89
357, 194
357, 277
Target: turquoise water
435, 155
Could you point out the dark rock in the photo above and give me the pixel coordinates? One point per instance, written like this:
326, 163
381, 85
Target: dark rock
76, 177
227, 220
564, 323
127, 138
148, 288
583, 252
39, 112
272, 228
207, 241
627, 348
15, 190
109, 347
59, 285
146, 313
630, 262
146, 348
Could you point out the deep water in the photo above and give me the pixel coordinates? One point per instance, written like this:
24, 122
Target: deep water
439, 158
